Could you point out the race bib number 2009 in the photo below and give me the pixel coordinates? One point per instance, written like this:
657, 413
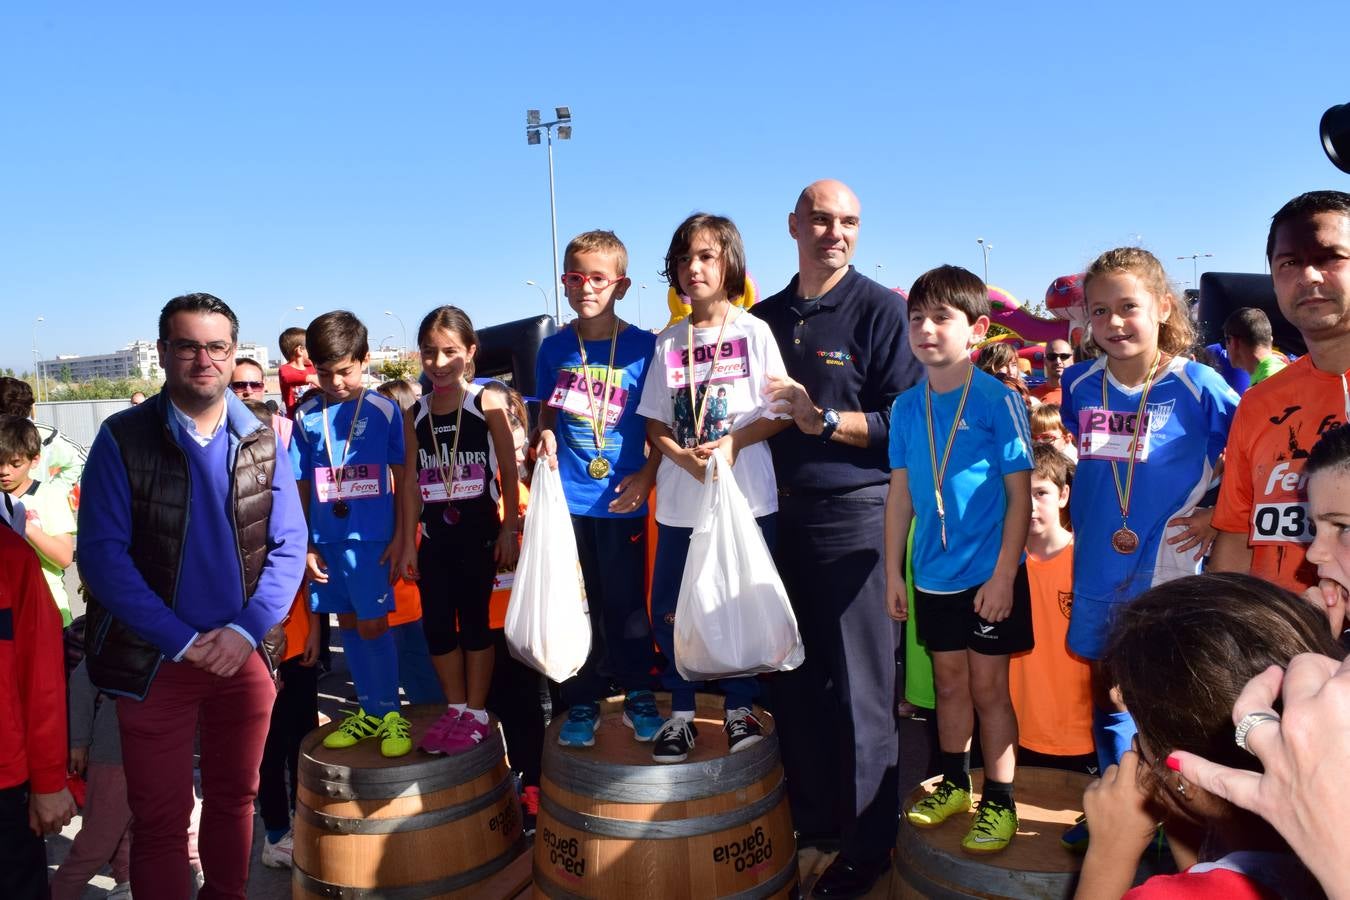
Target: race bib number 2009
1104, 434
357, 481
723, 362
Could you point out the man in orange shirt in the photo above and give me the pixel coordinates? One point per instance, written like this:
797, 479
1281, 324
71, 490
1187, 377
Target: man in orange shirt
1058, 355
1262, 514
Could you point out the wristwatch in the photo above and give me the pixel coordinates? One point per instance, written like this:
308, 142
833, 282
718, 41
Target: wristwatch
831, 423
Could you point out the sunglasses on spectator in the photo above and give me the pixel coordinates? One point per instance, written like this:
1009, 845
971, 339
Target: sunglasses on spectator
1062, 357
246, 385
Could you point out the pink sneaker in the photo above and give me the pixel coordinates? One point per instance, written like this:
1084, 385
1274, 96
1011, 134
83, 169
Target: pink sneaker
434, 739
466, 734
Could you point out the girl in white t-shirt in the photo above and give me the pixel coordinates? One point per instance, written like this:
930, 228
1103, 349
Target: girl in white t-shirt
694, 403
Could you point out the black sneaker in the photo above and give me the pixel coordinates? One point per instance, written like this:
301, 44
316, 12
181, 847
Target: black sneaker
674, 741
743, 729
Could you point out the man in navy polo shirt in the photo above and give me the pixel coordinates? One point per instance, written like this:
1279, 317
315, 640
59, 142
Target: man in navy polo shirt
842, 336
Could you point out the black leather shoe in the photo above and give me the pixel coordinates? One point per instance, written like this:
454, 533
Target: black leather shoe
845, 879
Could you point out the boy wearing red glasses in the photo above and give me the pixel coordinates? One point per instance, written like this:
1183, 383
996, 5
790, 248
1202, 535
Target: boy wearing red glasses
589, 377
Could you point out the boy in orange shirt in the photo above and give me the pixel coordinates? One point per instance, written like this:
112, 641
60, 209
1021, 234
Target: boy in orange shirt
1049, 685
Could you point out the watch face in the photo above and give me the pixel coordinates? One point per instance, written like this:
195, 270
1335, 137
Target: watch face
831, 418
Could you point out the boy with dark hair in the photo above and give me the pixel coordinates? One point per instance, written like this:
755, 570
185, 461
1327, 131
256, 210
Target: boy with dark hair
62, 459
296, 374
49, 523
1251, 343
34, 800
960, 466
592, 375
348, 445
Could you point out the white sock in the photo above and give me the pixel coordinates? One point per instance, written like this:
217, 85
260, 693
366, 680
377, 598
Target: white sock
479, 714
459, 707
686, 714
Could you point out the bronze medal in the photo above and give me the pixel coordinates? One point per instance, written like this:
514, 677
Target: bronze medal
340, 509
598, 468
1123, 540
451, 514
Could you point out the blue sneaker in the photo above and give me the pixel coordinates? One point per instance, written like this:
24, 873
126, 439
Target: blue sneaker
579, 729
641, 715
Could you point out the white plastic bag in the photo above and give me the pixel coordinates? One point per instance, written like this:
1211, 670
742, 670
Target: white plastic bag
733, 616
547, 626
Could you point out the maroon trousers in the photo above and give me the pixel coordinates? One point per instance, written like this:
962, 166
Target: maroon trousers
157, 748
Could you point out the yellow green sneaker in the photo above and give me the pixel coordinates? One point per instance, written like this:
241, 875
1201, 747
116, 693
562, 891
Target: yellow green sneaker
396, 741
947, 799
995, 825
354, 729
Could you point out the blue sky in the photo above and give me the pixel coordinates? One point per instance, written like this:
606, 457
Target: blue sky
331, 157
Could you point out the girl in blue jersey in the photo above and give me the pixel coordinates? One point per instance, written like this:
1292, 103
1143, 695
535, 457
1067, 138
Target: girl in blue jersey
458, 441
1150, 425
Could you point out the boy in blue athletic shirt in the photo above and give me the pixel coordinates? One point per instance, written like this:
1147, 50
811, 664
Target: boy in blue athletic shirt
346, 441
590, 377
960, 453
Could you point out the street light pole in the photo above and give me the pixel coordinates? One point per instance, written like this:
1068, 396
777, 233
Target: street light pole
37, 364
403, 349
879, 267
540, 288
1195, 266
986, 247
642, 292
533, 125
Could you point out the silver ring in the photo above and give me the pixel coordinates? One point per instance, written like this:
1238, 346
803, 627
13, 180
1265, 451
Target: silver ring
1250, 721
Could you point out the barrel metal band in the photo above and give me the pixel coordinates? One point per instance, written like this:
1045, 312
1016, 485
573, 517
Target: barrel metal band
676, 828
765, 889
419, 891
343, 783
347, 825
660, 784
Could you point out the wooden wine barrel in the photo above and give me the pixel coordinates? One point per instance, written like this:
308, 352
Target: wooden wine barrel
420, 826
614, 824
930, 862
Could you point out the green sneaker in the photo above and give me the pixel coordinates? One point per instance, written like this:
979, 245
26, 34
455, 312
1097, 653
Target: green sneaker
355, 728
995, 825
947, 800
396, 741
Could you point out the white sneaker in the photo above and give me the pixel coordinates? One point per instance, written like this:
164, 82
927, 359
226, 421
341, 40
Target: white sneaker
120, 891
278, 855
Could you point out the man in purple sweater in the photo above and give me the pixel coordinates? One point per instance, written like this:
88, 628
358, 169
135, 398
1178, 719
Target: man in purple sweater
192, 545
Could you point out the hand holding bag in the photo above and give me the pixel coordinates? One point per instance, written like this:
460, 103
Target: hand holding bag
547, 626
733, 616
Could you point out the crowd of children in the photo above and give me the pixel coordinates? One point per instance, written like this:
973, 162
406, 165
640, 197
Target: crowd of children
1030, 522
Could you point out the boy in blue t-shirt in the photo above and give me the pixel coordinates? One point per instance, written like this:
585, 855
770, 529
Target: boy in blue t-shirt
590, 378
345, 443
960, 456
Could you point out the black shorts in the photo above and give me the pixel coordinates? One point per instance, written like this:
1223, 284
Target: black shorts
947, 622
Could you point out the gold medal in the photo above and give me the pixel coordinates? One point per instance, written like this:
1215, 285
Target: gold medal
1123, 540
598, 468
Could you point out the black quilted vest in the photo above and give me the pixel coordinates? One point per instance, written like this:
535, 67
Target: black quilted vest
120, 661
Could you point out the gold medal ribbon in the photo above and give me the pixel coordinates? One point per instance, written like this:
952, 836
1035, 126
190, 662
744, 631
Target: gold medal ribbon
940, 470
598, 419
448, 480
695, 408
1123, 494
328, 441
